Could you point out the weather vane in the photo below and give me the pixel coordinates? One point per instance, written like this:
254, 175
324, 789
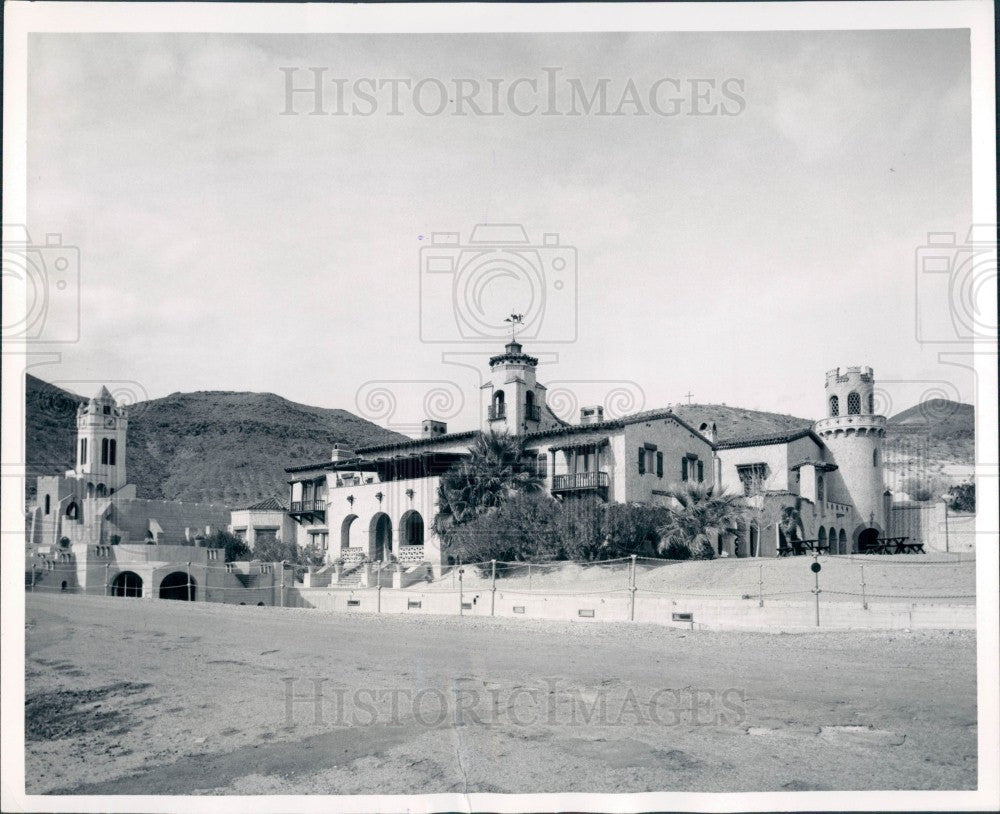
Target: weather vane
514, 320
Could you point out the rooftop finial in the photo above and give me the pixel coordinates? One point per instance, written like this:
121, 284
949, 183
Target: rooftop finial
514, 320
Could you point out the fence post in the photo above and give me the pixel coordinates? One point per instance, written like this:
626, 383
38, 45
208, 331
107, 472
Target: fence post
33, 572
529, 576
461, 595
760, 587
631, 609
189, 580
107, 578
493, 587
282, 583
815, 569
947, 546
864, 598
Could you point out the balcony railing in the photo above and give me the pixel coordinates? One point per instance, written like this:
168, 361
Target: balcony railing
532, 412
581, 481
498, 412
307, 506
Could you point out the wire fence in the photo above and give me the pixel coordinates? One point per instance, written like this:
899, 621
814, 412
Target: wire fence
843, 578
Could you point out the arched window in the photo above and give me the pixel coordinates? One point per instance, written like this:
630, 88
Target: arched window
874, 457
834, 406
820, 488
871, 404
113, 451
102, 490
71, 510
853, 403
83, 451
104, 450
48, 504
499, 409
529, 399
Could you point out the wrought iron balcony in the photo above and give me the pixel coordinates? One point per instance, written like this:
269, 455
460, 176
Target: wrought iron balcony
498, 412
581, 481
533, 412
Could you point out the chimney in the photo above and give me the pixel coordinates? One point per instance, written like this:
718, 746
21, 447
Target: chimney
341, 452
432, 429
592, 415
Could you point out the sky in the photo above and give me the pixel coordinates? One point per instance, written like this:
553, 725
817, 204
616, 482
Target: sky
730, 253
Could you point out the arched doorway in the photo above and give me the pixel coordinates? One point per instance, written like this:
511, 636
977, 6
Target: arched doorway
867, 539
380, 537
842, 543
754, 534
345, 532
411, 527
102, 490
127, 583
178, 585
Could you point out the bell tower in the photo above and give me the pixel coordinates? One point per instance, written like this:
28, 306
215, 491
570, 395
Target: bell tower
101, 426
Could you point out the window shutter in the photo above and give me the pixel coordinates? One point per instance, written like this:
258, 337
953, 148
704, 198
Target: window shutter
684, 468
659, 464
642, 460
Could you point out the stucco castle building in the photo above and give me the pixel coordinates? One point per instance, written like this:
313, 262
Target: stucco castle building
89, 532
380, 501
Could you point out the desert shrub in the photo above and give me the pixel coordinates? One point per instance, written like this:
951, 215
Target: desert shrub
962, 497
676, 550
236, 549
525, 527
632, 528
704, 552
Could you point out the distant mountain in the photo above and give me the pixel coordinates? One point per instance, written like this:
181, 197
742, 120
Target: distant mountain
233, 447
935, 440
206, 446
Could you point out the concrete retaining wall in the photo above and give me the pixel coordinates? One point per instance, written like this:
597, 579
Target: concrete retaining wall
704, 613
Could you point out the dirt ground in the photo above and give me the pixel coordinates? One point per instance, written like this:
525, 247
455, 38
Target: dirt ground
131, 696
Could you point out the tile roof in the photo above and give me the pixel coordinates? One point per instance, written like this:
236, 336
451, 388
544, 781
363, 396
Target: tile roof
765, 440
268, 504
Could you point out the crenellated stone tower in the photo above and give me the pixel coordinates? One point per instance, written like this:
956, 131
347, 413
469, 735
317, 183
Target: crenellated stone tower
855, 436
101, 427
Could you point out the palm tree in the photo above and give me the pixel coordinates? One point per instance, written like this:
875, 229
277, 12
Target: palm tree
495, 470
696, 512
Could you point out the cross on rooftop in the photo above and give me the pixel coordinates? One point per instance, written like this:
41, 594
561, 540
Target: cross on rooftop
688, 396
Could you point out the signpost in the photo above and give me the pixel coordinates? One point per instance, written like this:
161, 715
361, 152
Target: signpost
816, 568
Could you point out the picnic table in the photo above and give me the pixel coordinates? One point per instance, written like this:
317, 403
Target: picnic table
895, 545
799, 547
